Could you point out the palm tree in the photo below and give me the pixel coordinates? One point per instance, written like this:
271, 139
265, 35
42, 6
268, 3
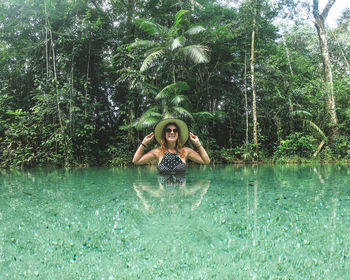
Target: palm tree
170, 102
169, 44
305, 117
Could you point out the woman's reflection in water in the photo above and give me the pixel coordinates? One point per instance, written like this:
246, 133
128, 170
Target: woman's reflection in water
171, 190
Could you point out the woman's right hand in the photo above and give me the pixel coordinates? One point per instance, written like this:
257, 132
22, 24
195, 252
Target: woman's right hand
139, 156
148, 139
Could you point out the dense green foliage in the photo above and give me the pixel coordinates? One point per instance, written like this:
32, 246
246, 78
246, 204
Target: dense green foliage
81, 82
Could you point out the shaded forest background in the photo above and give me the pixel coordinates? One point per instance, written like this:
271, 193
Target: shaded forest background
82, 82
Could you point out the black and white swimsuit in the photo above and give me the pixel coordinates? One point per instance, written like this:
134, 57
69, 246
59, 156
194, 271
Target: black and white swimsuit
171, 164
172, 170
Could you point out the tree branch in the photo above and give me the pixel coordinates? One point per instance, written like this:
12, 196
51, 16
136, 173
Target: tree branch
327, 8
315, 9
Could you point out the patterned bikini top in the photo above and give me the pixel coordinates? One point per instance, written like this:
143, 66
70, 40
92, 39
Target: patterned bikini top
171, 164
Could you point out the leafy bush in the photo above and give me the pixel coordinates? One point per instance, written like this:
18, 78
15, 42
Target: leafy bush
296, 145
121, 153
240, 153
340, 148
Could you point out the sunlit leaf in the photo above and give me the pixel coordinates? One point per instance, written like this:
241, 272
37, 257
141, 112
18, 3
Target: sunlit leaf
301, 114
177, 43
177, 87
150, 27
195, 30
178, 17
180, 111
197, 53
142, 43
147, 63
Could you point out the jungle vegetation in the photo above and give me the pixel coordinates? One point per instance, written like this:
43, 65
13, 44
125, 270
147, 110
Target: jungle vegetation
82, 81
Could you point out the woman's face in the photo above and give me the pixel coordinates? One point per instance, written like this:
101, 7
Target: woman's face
171, 133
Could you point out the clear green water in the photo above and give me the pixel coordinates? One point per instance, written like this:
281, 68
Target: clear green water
225, 222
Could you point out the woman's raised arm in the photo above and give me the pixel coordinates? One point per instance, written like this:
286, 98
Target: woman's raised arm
140, 157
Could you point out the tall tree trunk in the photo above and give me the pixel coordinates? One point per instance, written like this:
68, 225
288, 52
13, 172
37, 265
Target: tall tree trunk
70, 100
291, 107
328, 76
46, 44
87, 81
246, 102
130, 27
252, 72
59, 114
287, 54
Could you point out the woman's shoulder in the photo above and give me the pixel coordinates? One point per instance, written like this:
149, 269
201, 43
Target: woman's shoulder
187, 150
156, 151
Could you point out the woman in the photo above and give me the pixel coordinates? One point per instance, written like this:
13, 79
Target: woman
172, 155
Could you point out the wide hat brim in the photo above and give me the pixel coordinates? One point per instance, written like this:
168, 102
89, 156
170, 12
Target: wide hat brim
158, 130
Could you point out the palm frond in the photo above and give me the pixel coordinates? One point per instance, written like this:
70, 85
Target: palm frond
149, 60
316, 128
153, 50
148, 118
142, 43
180, 112
195, 30
128, 126
178, 99
219, 114
204, 115
178, 17
147, 122
195, 3
147, 87
301, 114
172, 88
177, 43
168, 115
150, 27
197, 53
151, 112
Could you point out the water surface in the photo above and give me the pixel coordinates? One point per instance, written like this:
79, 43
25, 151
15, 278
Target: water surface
224, 222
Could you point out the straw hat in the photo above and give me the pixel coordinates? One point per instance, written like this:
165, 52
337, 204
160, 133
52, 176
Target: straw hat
158, 131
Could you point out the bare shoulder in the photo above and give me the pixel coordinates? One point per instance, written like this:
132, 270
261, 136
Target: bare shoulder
156, 152
187, 151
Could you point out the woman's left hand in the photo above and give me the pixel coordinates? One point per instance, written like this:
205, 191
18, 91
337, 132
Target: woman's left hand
195, 140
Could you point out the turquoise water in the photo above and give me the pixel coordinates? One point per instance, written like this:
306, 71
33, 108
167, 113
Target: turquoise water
224, 222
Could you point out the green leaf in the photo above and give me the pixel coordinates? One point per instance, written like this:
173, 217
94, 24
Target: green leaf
128, 126
178, 99
301, 114
316, 128
150, 59
18, 112
172, 88
153, 50
152, 112
150, 27
147, 122
142, 43
148, 119
195, 30
180, 111
197, 53
177, 43
147, 87
204, 115
218, 114
178, 17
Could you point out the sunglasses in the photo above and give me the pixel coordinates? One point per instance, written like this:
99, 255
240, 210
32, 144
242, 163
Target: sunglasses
169, 130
